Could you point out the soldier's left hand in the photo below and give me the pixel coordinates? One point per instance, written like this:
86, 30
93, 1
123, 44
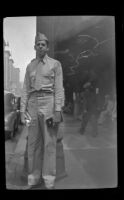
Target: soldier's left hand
57, 117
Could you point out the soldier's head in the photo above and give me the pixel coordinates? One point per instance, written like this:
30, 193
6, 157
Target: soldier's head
41, 45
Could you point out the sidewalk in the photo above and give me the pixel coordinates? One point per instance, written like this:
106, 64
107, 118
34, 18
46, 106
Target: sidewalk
91, 162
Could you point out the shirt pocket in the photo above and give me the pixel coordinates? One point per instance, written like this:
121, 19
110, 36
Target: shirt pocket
49, 75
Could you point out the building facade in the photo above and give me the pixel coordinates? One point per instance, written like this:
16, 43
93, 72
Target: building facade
85, 46
6, 67
11, 74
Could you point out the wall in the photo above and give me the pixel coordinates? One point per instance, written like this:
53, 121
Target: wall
45, 25
6, 69
79, 55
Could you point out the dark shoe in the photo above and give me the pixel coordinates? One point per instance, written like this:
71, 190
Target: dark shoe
36, 187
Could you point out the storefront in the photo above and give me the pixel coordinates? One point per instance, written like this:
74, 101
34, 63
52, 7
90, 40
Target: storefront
85, 45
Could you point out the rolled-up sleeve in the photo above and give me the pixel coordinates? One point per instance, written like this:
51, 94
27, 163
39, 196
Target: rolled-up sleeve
59, 90
25, 92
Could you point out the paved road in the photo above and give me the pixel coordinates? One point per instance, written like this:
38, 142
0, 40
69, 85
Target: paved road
91, 162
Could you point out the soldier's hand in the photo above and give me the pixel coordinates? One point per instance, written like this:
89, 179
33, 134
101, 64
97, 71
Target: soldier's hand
57, 117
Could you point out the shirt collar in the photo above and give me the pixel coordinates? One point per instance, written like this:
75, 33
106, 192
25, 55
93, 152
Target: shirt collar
44, 59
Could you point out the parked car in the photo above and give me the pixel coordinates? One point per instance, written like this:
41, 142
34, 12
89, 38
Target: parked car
17, 107
11, 115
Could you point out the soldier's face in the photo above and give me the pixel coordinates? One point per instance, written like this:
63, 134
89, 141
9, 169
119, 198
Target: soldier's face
41, 48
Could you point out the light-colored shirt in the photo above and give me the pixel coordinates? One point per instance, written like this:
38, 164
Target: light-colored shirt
44, 75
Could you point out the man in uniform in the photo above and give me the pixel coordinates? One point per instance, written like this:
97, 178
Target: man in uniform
42, 98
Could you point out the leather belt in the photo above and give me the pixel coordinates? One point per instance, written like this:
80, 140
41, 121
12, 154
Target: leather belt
41, 93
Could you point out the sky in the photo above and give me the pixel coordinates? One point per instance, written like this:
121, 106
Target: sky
20, 33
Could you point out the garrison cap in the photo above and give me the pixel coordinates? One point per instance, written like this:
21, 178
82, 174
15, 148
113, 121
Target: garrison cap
40, 36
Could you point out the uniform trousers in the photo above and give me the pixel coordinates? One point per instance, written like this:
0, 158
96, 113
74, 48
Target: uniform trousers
41, 144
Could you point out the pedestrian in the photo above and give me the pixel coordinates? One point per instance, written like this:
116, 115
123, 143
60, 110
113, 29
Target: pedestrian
106, 113
89, 109
42, 98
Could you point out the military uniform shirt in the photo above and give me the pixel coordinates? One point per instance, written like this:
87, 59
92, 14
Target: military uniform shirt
43, 75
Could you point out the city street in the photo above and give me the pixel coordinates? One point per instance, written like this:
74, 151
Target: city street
67, 64
91, 162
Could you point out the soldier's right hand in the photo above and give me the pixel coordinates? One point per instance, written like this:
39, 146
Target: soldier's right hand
23, 118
